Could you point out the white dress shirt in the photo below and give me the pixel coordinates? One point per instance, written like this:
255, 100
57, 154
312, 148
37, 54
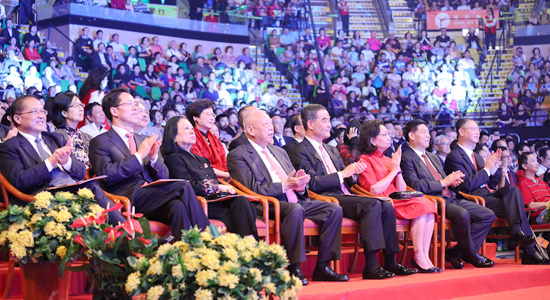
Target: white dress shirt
274, 176
32, 140
92, 129
122, 133
316, 145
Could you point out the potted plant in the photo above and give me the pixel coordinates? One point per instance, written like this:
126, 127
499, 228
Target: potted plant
210, 265
40, 236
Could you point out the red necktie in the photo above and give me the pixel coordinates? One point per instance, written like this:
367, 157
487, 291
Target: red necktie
475, 165
290, 195
131, 142
331, 169
511, 179
445, 191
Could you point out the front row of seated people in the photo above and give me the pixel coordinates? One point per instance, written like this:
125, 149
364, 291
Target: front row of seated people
33, 160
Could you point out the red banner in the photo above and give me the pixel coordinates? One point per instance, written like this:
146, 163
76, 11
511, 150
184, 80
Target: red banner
456, 19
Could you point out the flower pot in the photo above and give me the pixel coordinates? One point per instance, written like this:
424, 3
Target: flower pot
42, 281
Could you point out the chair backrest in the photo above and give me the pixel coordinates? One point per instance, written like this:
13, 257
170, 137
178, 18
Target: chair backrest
8, 189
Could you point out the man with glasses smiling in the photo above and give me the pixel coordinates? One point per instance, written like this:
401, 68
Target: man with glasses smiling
35, 159
442, 146
129, 160
506, 202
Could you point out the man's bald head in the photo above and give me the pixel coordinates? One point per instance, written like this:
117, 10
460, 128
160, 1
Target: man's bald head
242, 113
258, 127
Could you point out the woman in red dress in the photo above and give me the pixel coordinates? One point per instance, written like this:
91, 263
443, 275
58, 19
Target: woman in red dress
201, 115
383, 177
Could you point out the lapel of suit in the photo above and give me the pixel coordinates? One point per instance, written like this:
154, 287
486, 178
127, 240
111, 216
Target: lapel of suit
468, 159
118, 142
436, 163
314, 152
49, 141
417, 160
257, 161
280, 158
28, 148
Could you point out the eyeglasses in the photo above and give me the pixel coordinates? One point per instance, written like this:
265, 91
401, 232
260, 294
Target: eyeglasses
134, 104
210, 114
473, 128
77, 105
35, 112
444, 144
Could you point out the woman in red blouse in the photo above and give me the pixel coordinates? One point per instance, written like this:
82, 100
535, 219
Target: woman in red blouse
201, 115
324, 40
30, 53
383, 177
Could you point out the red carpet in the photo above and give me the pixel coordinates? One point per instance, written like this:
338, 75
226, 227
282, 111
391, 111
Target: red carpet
505, 277
506, 280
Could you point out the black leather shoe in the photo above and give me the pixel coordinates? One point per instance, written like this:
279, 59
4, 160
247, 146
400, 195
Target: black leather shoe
402, 270
521, 239
327, 274
479, 261
296, 271
430, 270
536, 259
165, 240
378, 273
455, 261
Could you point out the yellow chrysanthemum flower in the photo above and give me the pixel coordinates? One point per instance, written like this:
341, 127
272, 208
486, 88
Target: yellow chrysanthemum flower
201, 294
229, 280
227, 240
285, 276
227, 297
3, 237
230, 267
26, 238
203, 276
211, 261
18, 250
85, 193
63, 216
63, 196
163, 249
54, 229
256, 274
278, 250
132, 282
42, 200
231, 253
96, 209
206, 236
35, 218
155, 268
27, 211
177, 272
61, 251
155, 292
182, 246
270, 288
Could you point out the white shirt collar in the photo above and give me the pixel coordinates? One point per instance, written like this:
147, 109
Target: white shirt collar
468, 151
419, 153
314, 143
257, 147
122, 132
31, 138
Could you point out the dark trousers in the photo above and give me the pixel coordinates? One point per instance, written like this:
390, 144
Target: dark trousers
470, 223
506, 203
174, 203
377, 218
238, 214
345, 23
327, 215
490, 40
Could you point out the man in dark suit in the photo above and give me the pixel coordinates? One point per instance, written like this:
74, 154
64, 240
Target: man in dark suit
506, 202
9, 32
100, 59
391, 132
241, 138
130, 160
330, 177
83, 50
399, 139
423, 172
35, 159
267, 170
279, 139
298, 130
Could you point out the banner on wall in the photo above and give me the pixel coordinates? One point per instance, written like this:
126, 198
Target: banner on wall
456, 19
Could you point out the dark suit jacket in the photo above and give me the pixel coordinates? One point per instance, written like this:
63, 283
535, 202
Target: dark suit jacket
96, 60
110, 156
6, 36
246, 166
286, 138
458, 160
4, 131
195, 168
304, 156
418, 176
25, 170
495, 179
237, 142
290, 145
